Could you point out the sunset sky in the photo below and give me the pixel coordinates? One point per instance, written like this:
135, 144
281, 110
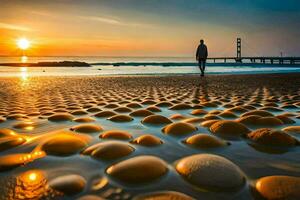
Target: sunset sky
150, 27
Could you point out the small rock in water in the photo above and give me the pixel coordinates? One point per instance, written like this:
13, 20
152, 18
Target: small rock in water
69, 184
210, 172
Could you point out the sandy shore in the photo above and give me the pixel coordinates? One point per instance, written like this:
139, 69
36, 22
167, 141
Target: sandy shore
150, 137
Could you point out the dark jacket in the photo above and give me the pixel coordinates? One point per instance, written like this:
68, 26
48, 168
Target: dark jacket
202, 52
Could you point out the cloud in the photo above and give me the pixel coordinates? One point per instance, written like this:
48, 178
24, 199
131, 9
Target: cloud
116, 22
14, 27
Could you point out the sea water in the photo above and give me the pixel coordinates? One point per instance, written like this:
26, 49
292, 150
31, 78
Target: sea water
104, 66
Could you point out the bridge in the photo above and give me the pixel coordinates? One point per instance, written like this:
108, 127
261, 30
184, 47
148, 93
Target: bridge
280, 60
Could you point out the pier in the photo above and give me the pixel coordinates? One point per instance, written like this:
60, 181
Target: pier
280, 60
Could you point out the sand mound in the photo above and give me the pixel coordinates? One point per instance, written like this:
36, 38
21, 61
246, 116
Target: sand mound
179, 128
109, 150
261, 113
4, 132
154, 109
141, 113
79, 112
209, 104
156, 120
134, 105
209, 123
116, 134
181, 106
60, 117
193, 120
147, 140
164, 104
2, 119
84, 120
69, 184
93, 110
199, 112
279, 187
87, 128
64, 144
269, 121
292, 129
210, 172
227, 114
90, 197
229, 129
205, 141
249, 119
120, 118
285, 119
165, 195
133, 170
123, 110
177, 117
267, 136
10, 142
103, 114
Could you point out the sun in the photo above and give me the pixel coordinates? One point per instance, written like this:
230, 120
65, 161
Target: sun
23, 43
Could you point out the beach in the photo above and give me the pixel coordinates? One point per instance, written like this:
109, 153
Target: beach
150, 137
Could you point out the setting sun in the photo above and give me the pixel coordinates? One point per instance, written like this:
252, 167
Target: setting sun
23, 43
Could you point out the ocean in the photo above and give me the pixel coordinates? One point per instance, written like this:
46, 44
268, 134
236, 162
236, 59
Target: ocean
104, 66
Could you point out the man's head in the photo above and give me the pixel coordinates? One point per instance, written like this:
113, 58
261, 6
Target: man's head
201, 41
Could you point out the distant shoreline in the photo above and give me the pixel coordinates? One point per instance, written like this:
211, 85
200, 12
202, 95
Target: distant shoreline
142, 64
48, 64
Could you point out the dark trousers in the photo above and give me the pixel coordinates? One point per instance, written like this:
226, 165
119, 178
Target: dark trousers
202, 63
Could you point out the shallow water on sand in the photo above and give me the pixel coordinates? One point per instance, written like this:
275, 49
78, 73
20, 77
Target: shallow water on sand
47, 125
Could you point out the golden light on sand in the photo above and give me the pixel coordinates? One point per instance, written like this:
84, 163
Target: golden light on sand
23, 43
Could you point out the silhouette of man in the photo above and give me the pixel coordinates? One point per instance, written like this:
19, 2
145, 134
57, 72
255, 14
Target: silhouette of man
201, 56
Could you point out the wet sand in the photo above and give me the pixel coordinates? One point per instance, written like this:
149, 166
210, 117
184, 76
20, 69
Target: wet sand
150, 137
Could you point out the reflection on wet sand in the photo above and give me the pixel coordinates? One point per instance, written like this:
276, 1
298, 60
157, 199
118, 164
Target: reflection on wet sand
144, 137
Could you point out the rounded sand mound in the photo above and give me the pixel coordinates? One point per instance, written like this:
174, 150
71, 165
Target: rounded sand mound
205, 141
132, 171
156, 120
87, 128
210, 172
165, 195
229, 129
60, 117
121, 118
116, 134
279, 187
69, 184
109, 150
147, 140
271, 137
179, 128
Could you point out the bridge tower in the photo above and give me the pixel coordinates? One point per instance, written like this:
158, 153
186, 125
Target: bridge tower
238, 50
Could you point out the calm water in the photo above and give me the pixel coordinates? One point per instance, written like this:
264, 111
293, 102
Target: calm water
97, 69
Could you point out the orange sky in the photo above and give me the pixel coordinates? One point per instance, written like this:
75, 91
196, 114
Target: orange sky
113, 28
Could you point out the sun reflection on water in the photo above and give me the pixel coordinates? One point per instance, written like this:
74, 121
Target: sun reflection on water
24, 59
30, 185
24, 73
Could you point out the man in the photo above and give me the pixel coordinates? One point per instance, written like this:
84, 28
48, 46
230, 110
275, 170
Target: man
201, 56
